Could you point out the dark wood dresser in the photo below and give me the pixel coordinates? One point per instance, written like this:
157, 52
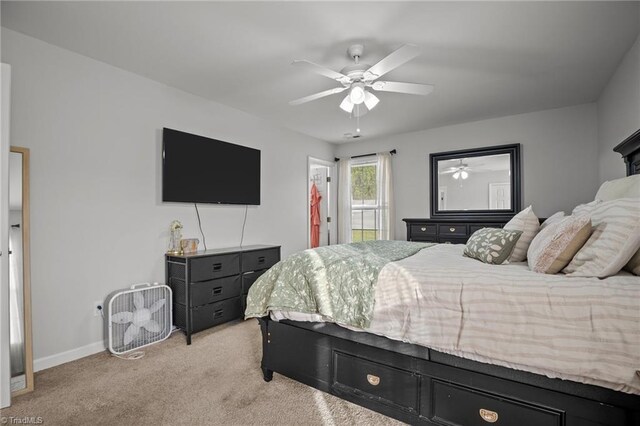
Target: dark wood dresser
454, 231
210, 287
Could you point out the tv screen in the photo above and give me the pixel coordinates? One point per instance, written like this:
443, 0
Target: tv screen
196, 169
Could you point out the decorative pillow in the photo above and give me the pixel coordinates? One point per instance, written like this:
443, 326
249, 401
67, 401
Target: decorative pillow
528, 224
554, 218
633, 265
615, 239
554, 247
586, 208
492, 245
626, 187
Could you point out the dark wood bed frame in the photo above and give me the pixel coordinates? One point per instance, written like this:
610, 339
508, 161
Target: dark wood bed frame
418, 385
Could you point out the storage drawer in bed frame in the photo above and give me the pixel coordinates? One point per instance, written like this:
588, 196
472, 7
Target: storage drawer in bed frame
419, 386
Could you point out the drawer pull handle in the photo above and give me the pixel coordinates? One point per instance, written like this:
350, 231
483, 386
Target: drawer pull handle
452, 229
488, 415
218, 313
373, 380
217, 266
217, 290
261, 259
423, 229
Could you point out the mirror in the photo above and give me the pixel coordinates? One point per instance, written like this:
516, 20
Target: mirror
476, 183
21, 354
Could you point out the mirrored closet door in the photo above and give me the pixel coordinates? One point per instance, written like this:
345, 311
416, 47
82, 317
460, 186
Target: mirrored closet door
21, 354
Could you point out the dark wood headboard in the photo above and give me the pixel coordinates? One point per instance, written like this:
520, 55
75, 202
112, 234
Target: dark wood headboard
630, 151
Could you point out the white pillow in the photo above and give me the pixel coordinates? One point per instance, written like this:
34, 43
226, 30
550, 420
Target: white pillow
527, 222
627, 187
555, 245
554, 218
586, 208
615, 239
634, 264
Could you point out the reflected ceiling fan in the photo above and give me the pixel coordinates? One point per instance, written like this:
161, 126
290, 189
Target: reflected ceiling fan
358, 79
460, 171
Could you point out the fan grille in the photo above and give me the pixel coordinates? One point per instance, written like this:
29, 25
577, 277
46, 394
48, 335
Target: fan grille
123, 301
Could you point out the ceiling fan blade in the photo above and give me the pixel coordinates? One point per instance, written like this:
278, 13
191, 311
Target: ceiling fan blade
318, 95
409, 88
404, 54
346, 105
319, 69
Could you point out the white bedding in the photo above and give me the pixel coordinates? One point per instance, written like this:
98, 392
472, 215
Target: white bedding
581, 329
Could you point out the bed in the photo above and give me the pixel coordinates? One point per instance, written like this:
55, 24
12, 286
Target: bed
442, 378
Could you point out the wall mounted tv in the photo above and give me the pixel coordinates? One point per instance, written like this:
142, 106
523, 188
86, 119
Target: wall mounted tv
196, 169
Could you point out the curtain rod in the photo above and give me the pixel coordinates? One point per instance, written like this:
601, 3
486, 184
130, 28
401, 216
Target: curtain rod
392, 152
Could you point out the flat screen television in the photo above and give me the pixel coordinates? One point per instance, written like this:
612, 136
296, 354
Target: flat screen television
196, 169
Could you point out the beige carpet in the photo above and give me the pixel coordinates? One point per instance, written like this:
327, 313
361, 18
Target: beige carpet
216, 380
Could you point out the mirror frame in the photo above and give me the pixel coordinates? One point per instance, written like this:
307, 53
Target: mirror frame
516, 181
26, 272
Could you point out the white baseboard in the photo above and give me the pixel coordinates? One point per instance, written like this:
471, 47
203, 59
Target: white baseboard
67, 356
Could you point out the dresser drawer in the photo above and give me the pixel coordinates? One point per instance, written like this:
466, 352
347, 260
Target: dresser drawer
249, 278
208, 268
203, 317
474, 228
445, 239
260, 259
455, 405
452, 229
423, 230
205, 292
371, 379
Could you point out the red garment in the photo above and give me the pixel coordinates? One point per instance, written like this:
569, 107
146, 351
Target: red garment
315, 216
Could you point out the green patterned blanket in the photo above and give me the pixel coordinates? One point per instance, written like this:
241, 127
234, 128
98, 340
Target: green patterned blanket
337, 282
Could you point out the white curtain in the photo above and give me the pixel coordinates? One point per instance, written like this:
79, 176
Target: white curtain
344, 201
386, 220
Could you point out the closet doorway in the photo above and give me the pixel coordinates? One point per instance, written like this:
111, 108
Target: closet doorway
321, 203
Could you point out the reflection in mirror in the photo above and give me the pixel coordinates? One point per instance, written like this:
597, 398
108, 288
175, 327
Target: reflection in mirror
19, 306
475, 183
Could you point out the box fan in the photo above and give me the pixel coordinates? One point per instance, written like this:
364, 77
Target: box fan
138, 317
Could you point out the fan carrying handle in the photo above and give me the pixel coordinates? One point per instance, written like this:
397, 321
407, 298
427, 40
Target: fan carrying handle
134, 286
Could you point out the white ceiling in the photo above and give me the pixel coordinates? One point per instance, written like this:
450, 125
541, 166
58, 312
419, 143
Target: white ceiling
486, 59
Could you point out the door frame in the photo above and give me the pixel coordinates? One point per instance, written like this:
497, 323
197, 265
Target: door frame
331, 198
5, 367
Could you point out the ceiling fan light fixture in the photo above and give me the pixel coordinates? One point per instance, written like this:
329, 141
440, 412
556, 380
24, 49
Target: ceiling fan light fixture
456, 175
346, 105
370, 100
464, 174
357, 93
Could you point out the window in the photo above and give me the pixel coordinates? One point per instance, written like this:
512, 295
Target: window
364, 201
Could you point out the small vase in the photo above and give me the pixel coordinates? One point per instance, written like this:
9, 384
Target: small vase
174, 242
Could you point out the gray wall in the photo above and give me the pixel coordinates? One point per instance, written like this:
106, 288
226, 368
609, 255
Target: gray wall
619, 112
559, 150
97, 222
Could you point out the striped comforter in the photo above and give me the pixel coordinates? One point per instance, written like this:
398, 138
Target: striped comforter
581, 329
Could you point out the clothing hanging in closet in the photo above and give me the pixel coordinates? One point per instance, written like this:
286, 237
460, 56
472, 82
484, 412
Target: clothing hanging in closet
315, 216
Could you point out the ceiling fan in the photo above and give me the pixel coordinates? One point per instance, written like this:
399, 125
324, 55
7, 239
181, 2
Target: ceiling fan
459, 171
358, 78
